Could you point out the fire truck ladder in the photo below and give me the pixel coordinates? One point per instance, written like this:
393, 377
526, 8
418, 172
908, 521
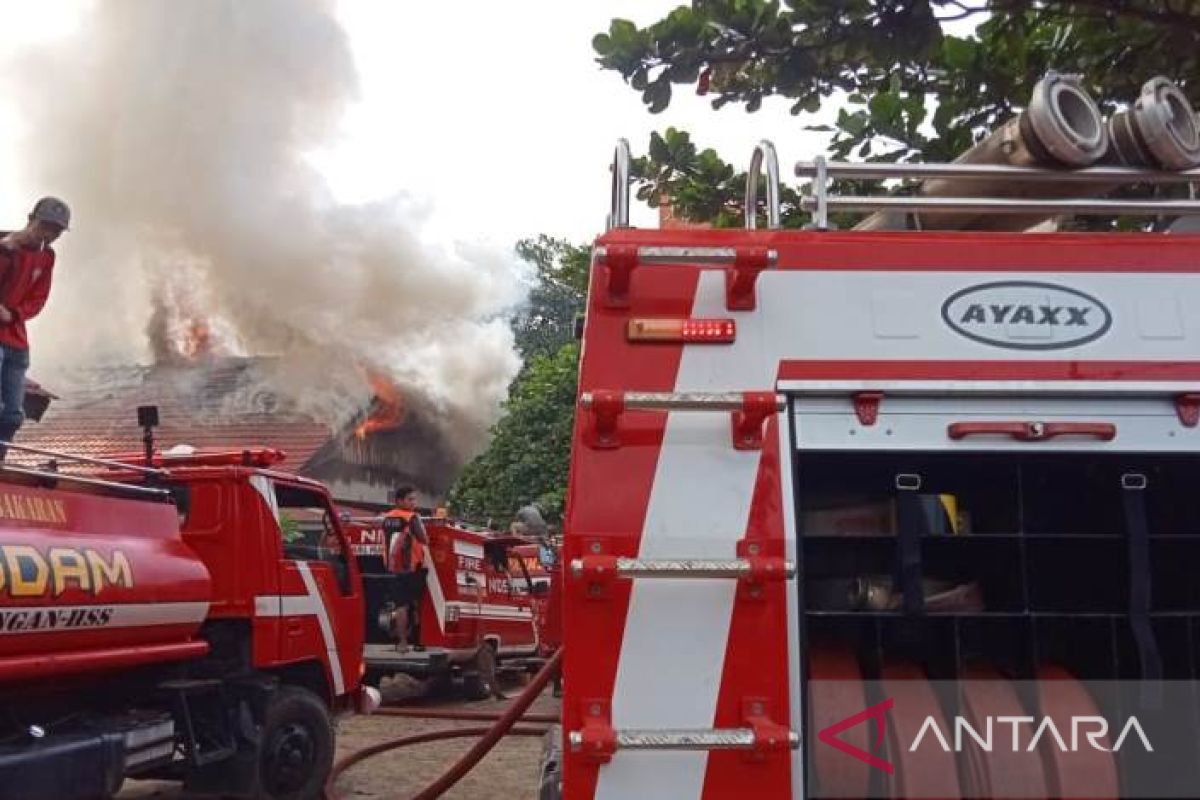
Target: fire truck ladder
758, 563
742, 264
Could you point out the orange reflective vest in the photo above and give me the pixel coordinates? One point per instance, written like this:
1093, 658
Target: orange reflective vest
405, 553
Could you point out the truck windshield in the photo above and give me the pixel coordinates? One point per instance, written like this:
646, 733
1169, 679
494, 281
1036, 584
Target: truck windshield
308, 532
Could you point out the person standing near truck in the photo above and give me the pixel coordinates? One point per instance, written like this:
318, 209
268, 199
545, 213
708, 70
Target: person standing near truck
26, 265
406, 542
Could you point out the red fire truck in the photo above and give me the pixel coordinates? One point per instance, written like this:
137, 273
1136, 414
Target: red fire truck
903, 452
476, 606
167, 622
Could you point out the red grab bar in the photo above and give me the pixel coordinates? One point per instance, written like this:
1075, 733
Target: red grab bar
1033, 431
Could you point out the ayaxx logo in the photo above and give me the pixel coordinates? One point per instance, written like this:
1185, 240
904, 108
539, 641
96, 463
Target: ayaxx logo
1026, 315
989, 734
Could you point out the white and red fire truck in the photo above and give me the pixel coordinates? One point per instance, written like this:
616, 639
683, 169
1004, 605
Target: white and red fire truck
476, 608
160, 622
896, 454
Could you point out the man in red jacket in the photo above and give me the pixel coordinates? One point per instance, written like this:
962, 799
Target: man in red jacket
26, 266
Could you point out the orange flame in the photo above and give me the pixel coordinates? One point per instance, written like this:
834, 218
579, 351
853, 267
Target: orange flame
197, 340
387, 407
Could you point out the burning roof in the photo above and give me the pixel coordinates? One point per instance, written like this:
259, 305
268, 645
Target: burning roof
227, 403
387, 410
205, 405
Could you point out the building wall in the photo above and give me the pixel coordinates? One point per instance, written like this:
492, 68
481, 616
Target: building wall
366, 492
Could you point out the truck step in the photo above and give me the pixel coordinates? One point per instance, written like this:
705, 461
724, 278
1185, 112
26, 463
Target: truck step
202, 707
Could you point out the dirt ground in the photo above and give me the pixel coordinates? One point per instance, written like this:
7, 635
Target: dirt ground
508, 772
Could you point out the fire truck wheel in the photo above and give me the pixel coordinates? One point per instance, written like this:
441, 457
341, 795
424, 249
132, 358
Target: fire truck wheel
480, 682
297, 746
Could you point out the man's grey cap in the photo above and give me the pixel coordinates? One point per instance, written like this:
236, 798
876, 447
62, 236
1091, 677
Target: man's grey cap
52, 210
531, 517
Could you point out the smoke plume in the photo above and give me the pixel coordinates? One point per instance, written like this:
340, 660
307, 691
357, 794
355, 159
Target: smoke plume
178, 134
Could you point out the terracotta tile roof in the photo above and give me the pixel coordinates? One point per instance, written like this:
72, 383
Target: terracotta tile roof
211, 405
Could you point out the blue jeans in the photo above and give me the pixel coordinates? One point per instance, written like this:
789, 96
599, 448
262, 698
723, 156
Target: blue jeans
13, 365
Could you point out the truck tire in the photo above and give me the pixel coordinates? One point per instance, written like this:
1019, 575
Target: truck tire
479, 683
297, 746
550, 769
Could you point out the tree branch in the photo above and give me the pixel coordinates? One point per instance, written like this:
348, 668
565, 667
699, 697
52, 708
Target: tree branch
1105, 9
964, 11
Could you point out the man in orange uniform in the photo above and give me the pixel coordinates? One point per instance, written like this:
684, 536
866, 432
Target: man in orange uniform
26, 264
406, 559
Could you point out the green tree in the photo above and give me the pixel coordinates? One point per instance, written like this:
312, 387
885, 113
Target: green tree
912, 91
530, 449
547, 322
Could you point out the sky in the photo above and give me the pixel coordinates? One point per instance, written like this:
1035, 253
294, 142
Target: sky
494, 118
499, 116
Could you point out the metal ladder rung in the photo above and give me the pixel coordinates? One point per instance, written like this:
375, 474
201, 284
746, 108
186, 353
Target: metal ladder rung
671, 254
748, 411
684, 568
683, 739
681, 401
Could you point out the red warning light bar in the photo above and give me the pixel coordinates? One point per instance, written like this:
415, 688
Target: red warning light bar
689, 331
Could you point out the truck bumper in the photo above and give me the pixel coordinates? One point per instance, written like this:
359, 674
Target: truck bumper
71, 767
367, 700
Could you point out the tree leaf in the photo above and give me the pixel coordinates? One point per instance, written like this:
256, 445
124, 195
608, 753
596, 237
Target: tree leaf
602, 43
958, 53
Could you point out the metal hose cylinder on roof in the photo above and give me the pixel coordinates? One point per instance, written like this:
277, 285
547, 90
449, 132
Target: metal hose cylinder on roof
1159, 130
1061, 128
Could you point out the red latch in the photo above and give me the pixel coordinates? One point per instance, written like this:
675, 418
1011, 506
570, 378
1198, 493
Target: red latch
597, 740
1033, 431
769, 736
607, 406
767, 564
743, 275
748, 423
866, 407
1187, 406
599, 572
619, 261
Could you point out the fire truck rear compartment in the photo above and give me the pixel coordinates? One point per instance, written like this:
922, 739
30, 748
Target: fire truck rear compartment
1020, 559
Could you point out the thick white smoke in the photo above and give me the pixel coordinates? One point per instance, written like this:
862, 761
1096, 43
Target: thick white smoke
178, 134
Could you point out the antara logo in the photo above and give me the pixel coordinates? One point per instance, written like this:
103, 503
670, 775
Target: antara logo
1023, 734
1024, 315
1094, 731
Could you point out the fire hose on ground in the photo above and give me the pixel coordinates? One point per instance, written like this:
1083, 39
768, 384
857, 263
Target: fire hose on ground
504, 725
461, 716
